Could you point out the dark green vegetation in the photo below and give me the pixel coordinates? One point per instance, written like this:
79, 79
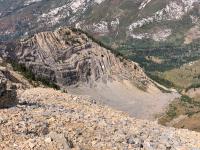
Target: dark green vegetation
183, 113
28, 74
193, 86
162, 81
171, 56
20, 19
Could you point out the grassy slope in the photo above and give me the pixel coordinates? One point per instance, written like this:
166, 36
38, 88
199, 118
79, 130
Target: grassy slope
183, 113
184, 76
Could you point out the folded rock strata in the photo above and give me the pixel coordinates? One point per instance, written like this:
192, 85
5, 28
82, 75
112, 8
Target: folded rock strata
68, 58
83, 66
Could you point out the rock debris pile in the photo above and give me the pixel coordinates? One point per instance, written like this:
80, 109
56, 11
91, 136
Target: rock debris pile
46, 119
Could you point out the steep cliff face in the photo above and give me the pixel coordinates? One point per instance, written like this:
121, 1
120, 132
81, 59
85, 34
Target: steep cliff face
45, 118
80, 66
68, 58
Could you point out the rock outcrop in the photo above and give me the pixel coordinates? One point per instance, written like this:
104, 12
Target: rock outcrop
46, 119
81, 66
7, 90
67, 58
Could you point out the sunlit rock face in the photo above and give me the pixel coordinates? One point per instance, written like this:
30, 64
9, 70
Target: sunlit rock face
67, 58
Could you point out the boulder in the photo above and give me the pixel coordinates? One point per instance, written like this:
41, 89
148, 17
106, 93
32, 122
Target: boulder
7, 91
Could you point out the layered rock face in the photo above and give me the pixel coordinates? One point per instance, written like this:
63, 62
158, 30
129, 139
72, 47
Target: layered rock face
47, 119
7, 90
67, 58
81, 66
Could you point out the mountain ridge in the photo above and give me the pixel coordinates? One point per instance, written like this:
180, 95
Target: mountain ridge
123, 21
75, 63
45, 118
90, 77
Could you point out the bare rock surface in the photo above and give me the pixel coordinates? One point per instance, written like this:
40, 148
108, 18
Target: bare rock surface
81, 66
46, 119
70, 58
7, 90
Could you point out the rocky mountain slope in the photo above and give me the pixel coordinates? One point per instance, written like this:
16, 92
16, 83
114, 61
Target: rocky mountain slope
87, 73
48, 119
144, 30
66, 57
79, 65
10, 82
113, 21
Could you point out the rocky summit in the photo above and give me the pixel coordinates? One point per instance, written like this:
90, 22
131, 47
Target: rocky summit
113, 21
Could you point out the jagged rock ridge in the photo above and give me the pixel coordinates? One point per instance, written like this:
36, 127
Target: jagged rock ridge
66, 58
80, 66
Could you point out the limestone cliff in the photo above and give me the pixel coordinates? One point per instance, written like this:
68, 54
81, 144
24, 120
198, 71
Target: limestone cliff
47, 119
81, 66
67, 58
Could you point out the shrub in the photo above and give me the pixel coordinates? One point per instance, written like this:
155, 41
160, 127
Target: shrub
195, 85
161, 81
185, 98
172, 111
